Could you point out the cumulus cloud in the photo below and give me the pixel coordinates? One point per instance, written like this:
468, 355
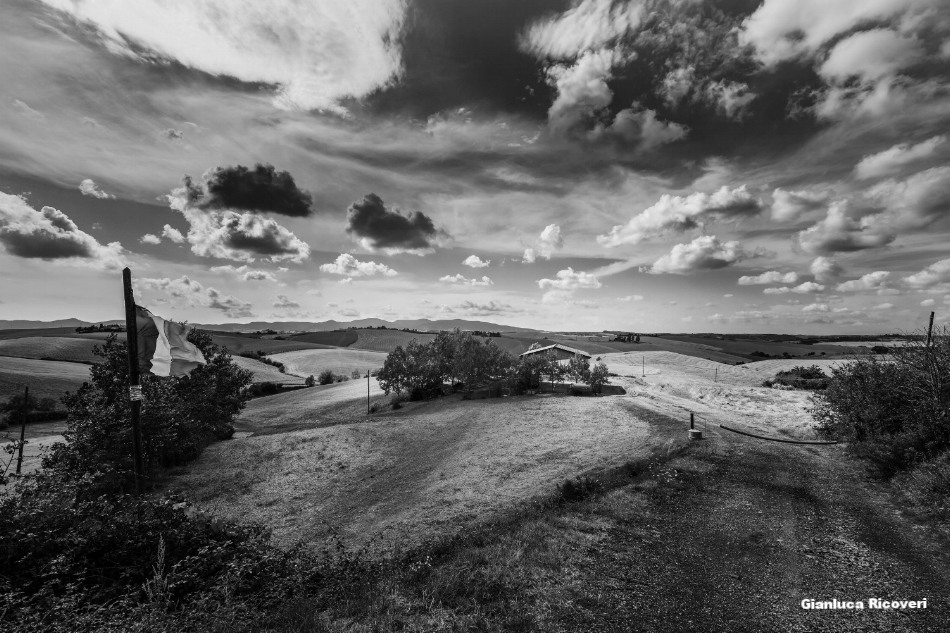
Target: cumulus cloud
788, 206
472, 308
883, 306
937, 275
703, 253
173, 234
677, 214
245, 274
877, 281
283, 302
191, 292
926, 303
871, 55
840, 233
729, 98
780, 30
581, 90
769, 277
568, 279
808, 288
588, 25
317, 55
460, 279
777, 291
348, 265
547, 243
148, 238
630, 298
825, 268
892, 161
641, 127
242, 237
50, 235
262, 189
816, 307
474, 262
379, 228
912, 204
88, 187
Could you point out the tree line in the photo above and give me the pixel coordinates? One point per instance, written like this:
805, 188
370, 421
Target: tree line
465, 361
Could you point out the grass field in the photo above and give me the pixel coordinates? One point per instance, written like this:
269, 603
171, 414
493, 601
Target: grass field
266, 373
51, 348
745, 347
340, 361
45, 378
386, 340
343, 338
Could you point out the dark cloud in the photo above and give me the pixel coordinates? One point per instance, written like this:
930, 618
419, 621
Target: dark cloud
379, 228
50, 234
262, 189
172, 134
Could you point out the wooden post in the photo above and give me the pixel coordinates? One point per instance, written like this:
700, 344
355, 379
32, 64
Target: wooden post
717, 375
23, 411
691, 420
644, 366
135, 393
367, 392
930, 329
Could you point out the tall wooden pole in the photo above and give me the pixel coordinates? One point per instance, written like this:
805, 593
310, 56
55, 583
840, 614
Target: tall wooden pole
135, 392
930, 329
23, 412
367, 392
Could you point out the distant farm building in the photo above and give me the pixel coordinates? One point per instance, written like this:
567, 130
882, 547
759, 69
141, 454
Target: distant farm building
560, 352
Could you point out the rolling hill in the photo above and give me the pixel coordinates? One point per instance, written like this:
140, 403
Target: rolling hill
341, 361
45, 378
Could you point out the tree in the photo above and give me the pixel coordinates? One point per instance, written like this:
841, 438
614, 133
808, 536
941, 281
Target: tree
356, 374
598, 377
180, 415
578, 368
326, 377
309, 382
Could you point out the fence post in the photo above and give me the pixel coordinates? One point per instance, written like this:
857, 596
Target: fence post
691, 420
367, 392
23, 411
717, 375
930, 329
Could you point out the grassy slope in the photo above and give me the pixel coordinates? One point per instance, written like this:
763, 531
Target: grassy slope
343, 338
339, 361
387, 340
744, 348
51, 348
266, 373
45, 378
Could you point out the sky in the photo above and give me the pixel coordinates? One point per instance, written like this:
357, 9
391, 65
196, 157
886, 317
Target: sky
649, 166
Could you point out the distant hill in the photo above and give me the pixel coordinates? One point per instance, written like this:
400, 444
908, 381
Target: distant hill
414, 324
32, 325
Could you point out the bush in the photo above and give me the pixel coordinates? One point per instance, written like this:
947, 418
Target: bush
72, 562
356, 374
179, 415
309, 382
326, 377
811, 378
895, 412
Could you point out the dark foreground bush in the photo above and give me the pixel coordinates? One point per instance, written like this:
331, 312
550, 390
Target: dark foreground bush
812, 378
895, 412
73, 562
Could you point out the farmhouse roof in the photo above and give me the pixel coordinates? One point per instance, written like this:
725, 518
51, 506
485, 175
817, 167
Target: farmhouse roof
557, 346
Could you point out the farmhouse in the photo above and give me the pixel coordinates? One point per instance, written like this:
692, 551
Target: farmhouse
561, 352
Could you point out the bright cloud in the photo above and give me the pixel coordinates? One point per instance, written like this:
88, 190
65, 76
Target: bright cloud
348, 265
588, 25
474, 262
770, 277
892, 161
460, 279
703, 253
89, 188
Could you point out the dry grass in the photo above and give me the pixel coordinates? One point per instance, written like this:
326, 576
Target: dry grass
423, 473
387, 340
339, 361
45, 378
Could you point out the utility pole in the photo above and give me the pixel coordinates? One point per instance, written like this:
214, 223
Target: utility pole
367, 392
23, 411
135, 390
930, 329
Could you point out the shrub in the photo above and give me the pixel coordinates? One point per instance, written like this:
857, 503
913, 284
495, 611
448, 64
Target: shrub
356, 374
309, 382
326, 377
73, 562
895, 412
579, 489
599, 376
179, 415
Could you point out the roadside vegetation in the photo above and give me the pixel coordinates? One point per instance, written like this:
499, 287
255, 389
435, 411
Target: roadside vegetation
800, 377
894, 412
